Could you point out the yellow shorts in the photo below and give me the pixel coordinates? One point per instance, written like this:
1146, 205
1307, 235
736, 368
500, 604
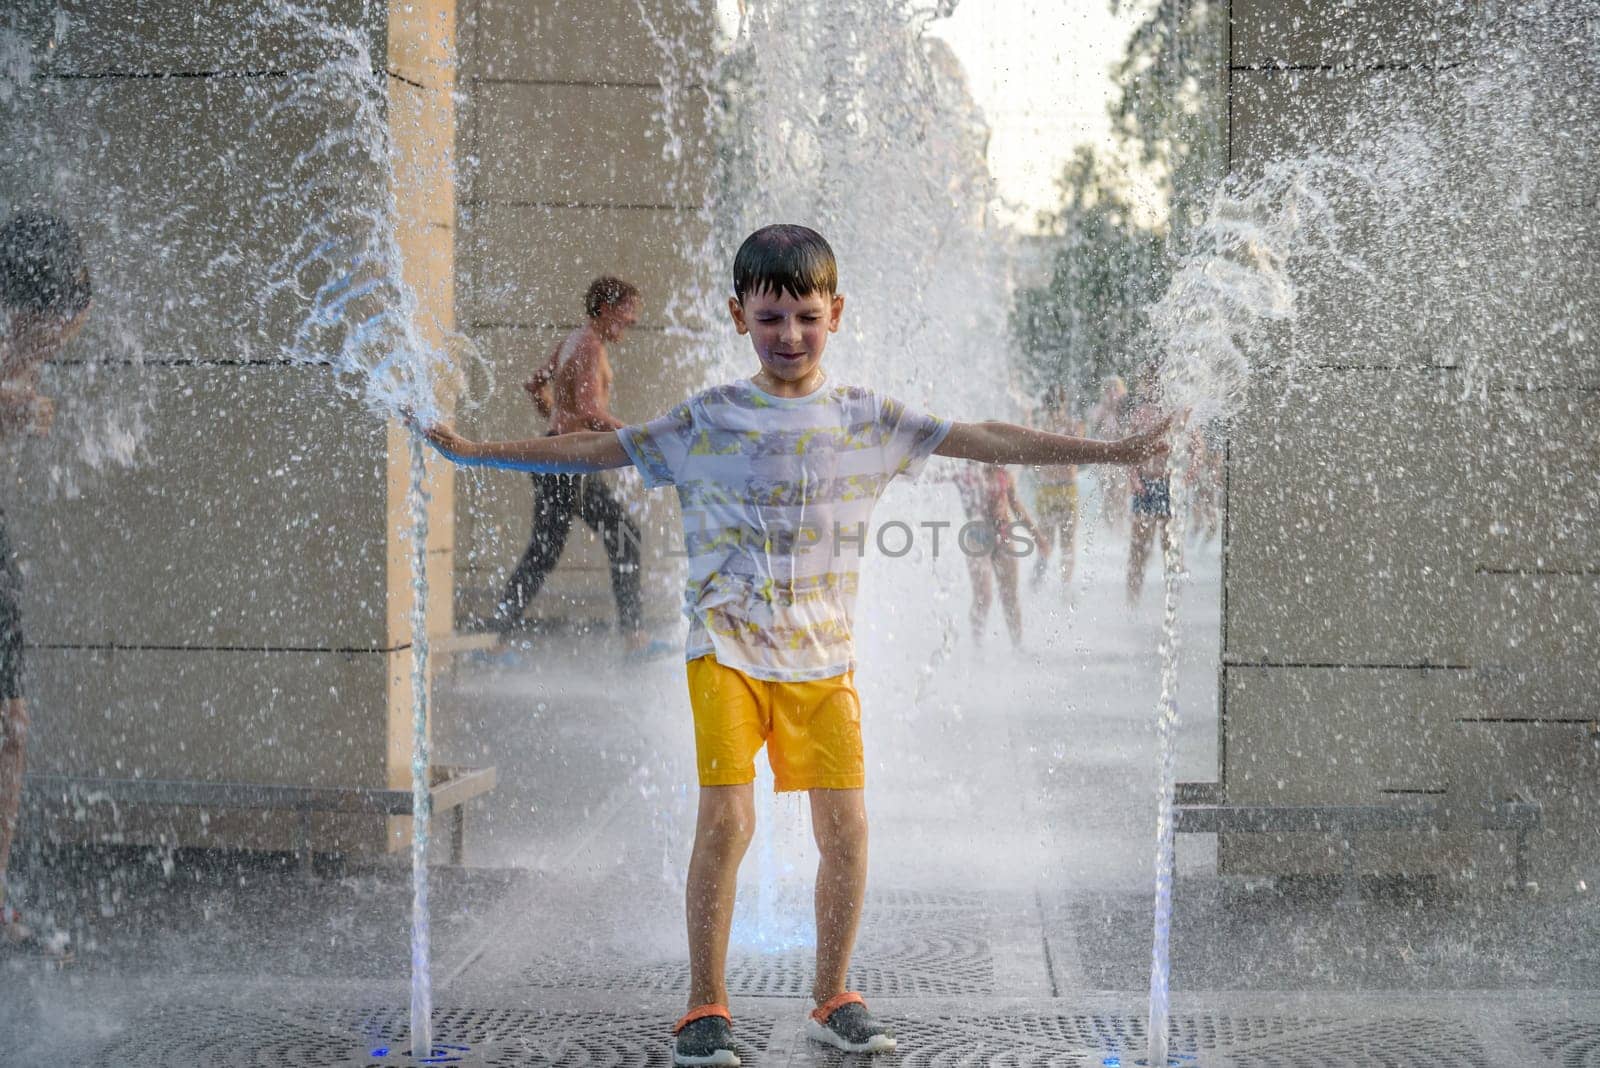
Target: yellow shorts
812, 730
1058, 499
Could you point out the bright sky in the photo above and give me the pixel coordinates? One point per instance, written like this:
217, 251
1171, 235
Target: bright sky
1039, 69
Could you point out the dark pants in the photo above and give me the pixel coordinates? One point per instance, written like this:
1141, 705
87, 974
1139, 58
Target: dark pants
10, 620
555, 499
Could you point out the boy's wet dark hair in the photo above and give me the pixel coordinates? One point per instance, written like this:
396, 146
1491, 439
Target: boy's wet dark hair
43, 270
785, 258
607, 292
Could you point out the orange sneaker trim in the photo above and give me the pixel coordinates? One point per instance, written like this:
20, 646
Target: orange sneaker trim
826, 1009
700, 1012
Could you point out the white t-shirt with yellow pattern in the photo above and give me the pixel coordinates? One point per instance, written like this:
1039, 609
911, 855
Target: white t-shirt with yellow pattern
776, 495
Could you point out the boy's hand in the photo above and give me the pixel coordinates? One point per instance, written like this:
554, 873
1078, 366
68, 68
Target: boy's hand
447, 441
538, 388
1151, 444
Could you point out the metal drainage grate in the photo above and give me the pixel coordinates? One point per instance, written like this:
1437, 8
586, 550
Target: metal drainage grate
1570, 1043
1041, 1041
217, 1037
913, 944
906, 964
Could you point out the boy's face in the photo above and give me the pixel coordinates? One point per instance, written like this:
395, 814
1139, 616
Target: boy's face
615, 320
788, 332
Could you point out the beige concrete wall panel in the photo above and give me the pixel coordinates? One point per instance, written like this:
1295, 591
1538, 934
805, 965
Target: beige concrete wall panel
1362, 33
1536, 501
1376, 304
180, 247
1475, 253
94, 37
1535, 639
530, 265
422, 41
585, 144
422, 130
588, 40
1348, 536
1301, 736
302, 718
256, 520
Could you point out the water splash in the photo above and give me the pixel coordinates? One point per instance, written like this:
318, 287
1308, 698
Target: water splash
360, 318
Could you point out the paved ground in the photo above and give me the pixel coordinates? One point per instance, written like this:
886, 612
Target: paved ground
1011, 798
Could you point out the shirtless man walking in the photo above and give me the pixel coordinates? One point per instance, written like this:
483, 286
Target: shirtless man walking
574, 390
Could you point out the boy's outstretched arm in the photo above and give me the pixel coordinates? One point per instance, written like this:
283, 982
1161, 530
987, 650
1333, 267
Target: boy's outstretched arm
561, 454
1007, 443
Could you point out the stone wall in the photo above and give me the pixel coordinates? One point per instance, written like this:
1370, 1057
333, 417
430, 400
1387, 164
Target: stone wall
234, 607
1411, 600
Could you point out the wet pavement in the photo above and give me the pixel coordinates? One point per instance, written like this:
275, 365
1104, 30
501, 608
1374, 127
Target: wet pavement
1011, 797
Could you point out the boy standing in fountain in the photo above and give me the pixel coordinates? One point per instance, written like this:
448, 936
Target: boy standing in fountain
771, 471
44, 300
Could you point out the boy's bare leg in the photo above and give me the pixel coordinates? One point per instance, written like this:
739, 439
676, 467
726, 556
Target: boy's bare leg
722, 833
13, 736
839, 822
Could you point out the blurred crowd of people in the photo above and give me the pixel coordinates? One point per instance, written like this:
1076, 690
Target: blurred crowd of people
1129, 504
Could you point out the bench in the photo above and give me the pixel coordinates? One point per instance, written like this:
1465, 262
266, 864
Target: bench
1200, 808
452, 788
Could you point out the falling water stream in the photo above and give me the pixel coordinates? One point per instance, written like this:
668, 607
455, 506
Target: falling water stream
421, 795
1167, 749
347, 269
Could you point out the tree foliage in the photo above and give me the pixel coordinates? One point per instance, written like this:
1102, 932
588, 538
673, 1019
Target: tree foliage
1082, 325
1085, 322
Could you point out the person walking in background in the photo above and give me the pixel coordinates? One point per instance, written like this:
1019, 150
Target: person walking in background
989, 541
1057, 498
44, 301
573, 389
1106, 419
1151, 501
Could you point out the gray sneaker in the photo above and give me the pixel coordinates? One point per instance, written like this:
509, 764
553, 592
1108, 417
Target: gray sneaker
844, 1023
705, 1036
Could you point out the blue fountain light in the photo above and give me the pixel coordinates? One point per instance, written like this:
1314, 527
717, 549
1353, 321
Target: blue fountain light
442, 1053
